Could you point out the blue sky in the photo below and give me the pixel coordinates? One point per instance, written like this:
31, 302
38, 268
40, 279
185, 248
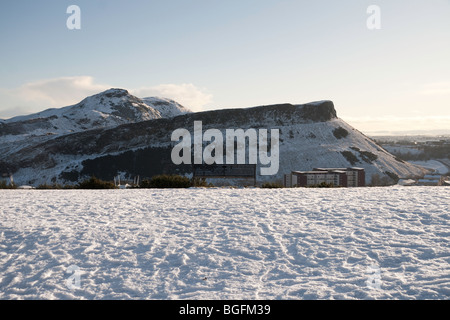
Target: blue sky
214, 54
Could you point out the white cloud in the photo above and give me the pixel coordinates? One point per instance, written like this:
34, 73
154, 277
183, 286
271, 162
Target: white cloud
186, 94
64, 91
49, 93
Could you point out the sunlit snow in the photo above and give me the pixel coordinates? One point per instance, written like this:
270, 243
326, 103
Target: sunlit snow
359, 243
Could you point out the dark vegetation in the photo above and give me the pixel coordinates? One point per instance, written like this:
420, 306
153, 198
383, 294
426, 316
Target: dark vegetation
429, 149
323, 185
146, 162
350, 157
366, 156
428, 153
167, 181
95, 183
271, 185
340, 133
6, 185
46, 186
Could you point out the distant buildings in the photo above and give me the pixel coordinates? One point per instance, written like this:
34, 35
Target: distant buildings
434, 179
338, 177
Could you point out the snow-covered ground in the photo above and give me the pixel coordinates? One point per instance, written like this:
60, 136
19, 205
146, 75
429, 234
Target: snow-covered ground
435, 165
360, 243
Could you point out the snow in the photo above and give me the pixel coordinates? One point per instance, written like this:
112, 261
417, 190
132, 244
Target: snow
316, 103
223, 243
405, 182
166, 107
435, 165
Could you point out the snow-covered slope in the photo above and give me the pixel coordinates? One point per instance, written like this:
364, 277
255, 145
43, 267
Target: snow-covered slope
357, 243
166, 107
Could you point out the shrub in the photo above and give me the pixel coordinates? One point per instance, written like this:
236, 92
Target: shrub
95, 183
49, 186
350, 157
291, 134
368, 156
55, 186
322, 185
340, 133
271, 185
200, 182
167, 181
145, 184
4, 185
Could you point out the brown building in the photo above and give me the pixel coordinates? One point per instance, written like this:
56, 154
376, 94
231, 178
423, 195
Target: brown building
339, 177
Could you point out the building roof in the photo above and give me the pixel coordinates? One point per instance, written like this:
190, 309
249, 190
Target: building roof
318, 172
328, 170
340, 169
305, 172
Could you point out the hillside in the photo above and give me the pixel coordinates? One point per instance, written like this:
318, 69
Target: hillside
107, 109
311, 135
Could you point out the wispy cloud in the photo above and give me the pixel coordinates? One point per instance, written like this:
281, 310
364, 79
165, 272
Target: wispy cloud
64, 91
48, 93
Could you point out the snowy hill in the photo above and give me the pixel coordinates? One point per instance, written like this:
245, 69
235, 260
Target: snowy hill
110, 108
311, 135
107, 109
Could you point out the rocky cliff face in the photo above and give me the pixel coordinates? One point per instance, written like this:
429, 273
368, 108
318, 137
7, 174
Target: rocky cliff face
311, 135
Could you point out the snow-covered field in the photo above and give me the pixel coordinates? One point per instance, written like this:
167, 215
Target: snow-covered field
361, 243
